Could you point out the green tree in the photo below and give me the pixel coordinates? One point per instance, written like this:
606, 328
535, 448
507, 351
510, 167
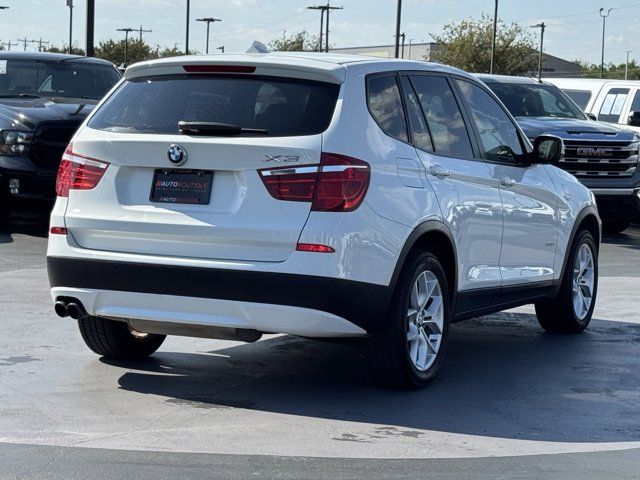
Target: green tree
467, 45
170, 52
64, 49
301, 41
138, 51
611, 70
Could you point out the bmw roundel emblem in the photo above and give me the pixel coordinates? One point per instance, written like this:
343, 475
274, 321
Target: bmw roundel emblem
177, 155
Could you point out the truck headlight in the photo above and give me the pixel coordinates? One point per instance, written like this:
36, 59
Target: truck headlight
14, 142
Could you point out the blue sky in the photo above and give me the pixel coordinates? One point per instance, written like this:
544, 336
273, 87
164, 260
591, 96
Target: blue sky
574, 26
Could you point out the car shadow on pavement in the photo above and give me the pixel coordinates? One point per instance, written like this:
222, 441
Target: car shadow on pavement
29, 218
503, 377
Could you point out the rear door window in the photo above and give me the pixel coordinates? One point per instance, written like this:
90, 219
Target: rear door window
613, 104
635, 106
443, 116
385, 105
281, 106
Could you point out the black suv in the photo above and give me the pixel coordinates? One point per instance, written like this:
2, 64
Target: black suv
604, 157
44, 97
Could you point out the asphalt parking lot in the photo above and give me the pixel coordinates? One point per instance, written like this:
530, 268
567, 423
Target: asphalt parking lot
511, 402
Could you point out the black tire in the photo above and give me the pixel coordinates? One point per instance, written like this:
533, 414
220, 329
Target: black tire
388, 349
5, 204
113, 339
557, 315
615, 227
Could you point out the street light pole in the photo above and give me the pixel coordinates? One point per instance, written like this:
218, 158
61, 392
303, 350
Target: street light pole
493, 40
70, 5
604, 25
398, 27
91, 21
209, 21
542, 27
186, 43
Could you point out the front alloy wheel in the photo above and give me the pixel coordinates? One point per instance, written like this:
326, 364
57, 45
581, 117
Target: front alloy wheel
570, 311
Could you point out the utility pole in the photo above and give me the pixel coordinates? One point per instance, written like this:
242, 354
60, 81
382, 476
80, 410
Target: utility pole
221, 49
209, 21
626, 66
141, 31
542, 27
10, 44
322, 9
326, 33
25, 40
186, 43
70, 5
410, 42
403, 38
604, 26
40, 44
493, 39
126, 31
398, 22
91, 23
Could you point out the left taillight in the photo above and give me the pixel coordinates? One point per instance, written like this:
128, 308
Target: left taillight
338, 184
78, 172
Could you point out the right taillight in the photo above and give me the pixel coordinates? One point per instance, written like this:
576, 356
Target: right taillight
78, 172
338, 184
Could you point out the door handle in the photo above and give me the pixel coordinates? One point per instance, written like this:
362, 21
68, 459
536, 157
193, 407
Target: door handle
439, 171
507, 181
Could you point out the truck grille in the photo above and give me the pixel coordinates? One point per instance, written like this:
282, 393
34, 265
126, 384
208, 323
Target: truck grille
49, 143
614, 159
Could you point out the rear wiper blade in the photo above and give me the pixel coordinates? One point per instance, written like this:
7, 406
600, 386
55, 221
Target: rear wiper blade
216, 128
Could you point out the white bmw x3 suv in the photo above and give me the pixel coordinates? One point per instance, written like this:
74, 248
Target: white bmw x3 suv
313, 195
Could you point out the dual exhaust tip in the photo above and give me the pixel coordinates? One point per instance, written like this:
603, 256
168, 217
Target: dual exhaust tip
72, 308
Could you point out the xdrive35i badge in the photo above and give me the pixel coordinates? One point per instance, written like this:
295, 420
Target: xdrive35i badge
177, 155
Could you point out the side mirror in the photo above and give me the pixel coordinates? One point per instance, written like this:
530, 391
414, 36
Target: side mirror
634, 119
591, 116
547, 149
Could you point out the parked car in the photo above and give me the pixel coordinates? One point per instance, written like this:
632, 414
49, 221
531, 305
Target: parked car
611, 101
314, 195
44, 97
602, 156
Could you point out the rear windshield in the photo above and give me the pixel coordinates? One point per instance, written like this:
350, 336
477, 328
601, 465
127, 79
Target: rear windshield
64, 78
281, 106
579, 97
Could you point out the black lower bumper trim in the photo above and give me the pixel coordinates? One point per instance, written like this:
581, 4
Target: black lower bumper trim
363, 304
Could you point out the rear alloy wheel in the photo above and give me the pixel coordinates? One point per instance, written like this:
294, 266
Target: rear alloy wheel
408, 350
117, 340
571, 310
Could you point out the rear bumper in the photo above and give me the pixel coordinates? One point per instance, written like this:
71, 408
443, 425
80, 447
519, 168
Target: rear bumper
274, 302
